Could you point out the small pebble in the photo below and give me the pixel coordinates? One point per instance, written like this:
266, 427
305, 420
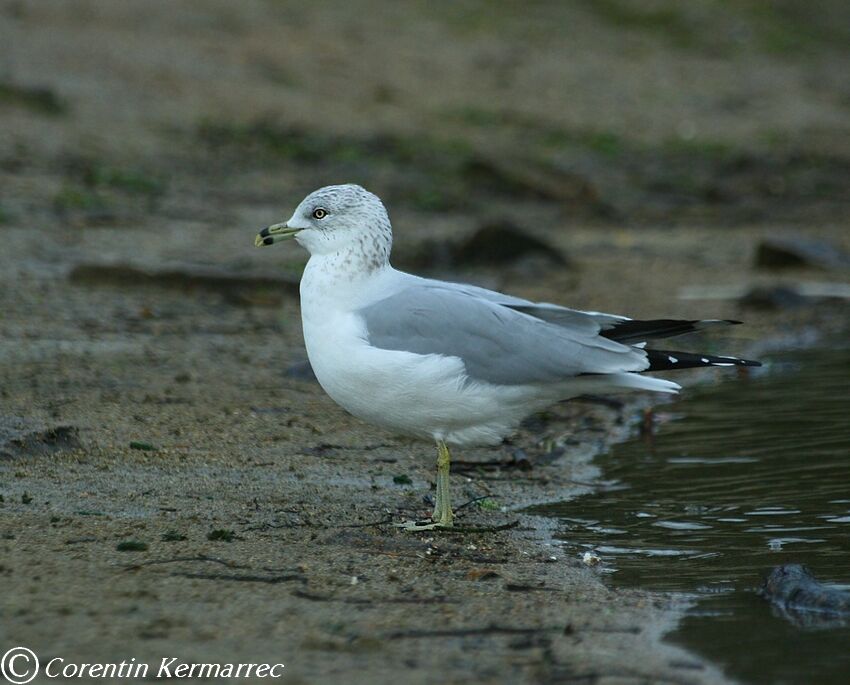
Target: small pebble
590, 558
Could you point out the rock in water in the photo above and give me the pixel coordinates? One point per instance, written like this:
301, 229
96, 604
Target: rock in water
803, 599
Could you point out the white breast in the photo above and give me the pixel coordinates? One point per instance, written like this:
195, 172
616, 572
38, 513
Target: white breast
424, 396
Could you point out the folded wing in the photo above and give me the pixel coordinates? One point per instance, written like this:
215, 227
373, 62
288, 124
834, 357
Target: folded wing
495, 338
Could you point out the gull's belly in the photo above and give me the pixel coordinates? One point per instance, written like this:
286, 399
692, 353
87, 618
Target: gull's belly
424, 396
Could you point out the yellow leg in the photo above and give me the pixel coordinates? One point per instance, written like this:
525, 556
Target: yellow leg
443, 509
442, 516
438, 496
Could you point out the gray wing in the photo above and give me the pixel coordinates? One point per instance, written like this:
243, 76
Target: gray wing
496, 342
588, 322
620, 328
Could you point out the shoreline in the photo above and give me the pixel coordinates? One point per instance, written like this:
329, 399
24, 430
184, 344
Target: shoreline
256, 516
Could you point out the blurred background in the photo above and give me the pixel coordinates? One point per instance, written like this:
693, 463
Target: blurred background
644, 134
201, 116
653, 158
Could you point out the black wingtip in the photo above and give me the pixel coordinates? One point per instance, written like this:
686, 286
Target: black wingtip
663, 360
630, 331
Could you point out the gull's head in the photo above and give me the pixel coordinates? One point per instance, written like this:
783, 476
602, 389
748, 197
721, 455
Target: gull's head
336, 219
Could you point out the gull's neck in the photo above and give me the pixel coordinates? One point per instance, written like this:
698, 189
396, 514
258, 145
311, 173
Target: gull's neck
349, 276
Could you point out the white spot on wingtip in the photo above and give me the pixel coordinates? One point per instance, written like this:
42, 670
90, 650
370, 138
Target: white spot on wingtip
673, 360
704, 360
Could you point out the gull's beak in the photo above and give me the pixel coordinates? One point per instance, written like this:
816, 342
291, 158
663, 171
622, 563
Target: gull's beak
274, 234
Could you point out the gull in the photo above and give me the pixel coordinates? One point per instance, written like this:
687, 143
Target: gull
448, 362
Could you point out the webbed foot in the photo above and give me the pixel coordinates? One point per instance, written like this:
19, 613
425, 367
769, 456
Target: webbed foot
417, 526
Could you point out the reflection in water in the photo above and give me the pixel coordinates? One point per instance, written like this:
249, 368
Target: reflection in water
751, 474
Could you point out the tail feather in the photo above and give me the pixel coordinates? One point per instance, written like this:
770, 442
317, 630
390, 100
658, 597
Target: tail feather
634, 381
663, 360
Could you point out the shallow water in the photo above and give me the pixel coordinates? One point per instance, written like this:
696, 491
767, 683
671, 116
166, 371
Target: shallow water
737, 478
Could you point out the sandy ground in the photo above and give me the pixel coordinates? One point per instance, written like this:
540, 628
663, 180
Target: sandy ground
170, 416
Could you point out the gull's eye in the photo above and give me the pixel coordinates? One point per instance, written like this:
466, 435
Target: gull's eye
319, 213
